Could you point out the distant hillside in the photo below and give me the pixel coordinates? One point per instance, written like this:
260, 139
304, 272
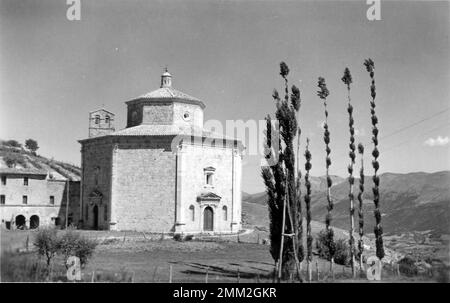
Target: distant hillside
409, 202
317, 184
16, 158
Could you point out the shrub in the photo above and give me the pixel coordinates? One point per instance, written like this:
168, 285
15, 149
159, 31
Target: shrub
342, 249
12, 159
342, 254
12, 143
47, 243
68, 244
407, 266
85, 249
74, 244
182, 238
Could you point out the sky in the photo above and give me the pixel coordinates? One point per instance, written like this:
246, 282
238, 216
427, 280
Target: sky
53, 71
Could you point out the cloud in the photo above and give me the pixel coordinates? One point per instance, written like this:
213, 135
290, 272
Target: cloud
439, 141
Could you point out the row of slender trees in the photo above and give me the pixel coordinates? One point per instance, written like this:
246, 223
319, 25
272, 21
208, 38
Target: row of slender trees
283, 179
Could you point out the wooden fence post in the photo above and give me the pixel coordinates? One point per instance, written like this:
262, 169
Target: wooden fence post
317, 270
206, 275
332, 268
170, 274
154, 273
238, 275
308, 270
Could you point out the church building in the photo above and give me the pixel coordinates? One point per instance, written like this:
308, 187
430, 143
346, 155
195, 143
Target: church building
163, 172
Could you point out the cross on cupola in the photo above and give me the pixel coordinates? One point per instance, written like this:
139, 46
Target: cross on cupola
166, 79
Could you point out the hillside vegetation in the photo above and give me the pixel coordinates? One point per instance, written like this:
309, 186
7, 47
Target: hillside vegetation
14, 156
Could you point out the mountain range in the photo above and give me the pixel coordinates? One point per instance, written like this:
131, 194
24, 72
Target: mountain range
409, 202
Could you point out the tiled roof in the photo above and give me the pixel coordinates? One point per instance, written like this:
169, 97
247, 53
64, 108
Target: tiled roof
169, 93
24, 171
167, 130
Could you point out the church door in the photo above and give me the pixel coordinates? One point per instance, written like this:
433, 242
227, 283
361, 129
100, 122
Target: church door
208, 219
95, 217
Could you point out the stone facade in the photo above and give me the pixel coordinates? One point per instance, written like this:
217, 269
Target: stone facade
96, 183
30, 199
152, 177
101, 122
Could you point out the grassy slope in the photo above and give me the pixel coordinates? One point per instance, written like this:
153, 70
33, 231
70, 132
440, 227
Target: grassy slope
26, 160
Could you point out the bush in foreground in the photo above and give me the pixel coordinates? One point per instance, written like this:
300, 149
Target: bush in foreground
70, 243
47, 244
408, 267
342, 249
74, 244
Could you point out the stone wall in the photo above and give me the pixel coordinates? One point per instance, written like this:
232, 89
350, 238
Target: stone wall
143, 185
157, 113
38, 192
194, 111
96, 182
139, 183
192, 161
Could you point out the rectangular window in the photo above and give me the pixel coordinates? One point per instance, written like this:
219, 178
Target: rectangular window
3, 180
24, 199
52, 200
25, 181
209, 179
2, 199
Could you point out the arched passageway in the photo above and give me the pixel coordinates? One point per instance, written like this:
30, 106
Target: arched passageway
34, 222
20, 222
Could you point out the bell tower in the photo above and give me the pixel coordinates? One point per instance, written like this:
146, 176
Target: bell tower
101, 122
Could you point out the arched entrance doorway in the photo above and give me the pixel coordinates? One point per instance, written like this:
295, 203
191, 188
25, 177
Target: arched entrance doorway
34, 222
20, 222
95, 217
208, 219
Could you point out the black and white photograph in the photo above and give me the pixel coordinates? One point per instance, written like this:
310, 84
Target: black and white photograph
223, 142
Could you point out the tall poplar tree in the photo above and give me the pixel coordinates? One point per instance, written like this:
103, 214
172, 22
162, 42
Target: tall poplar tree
323, 93
378, 230
280, 178
309, 238
347, 79
360, 208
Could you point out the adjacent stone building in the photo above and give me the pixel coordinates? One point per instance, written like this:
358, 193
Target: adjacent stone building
163, 172
30, 198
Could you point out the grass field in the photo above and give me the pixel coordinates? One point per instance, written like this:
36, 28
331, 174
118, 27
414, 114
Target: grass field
145, 257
